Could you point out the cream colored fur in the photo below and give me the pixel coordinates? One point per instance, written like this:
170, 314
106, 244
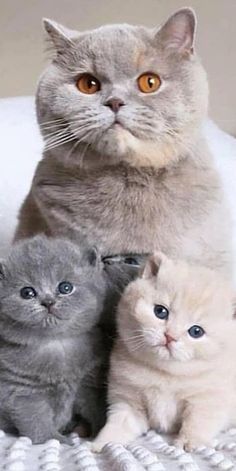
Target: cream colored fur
187, 386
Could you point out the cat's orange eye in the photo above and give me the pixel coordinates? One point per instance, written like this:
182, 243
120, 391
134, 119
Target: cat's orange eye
149, 83
88, 84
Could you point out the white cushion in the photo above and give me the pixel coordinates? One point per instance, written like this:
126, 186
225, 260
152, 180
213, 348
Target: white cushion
20, 149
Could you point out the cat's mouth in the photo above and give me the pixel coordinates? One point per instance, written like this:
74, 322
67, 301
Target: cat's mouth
117, 124
52, 317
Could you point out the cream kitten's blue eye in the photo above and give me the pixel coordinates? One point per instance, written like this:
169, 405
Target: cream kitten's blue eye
196, 331
161, 311
28, 292
65, 287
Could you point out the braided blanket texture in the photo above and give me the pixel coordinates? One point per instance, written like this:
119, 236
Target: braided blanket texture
151, 453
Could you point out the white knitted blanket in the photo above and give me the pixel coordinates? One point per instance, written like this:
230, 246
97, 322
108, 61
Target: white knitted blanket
151, 453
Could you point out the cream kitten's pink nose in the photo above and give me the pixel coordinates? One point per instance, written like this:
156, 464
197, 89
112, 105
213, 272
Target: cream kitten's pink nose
169, 338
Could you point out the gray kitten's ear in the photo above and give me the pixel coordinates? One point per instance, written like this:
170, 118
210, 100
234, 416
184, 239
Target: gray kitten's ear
153, 265
178, 33
2, 271
93, 256
60, 36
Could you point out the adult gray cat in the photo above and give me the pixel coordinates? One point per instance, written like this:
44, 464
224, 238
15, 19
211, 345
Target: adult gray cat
52, 357
125, 164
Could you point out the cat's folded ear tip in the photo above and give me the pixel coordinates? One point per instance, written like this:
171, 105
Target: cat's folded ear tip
47, 23
2, 271
186, 11
153, 264
94, 256
160, 257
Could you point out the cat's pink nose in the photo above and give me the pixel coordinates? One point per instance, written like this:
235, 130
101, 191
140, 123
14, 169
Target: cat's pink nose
114, 104
169, 339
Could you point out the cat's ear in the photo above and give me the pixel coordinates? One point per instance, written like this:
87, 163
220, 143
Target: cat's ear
61, 37
2, 271
234, 306
153, 264
178, 33
93, 257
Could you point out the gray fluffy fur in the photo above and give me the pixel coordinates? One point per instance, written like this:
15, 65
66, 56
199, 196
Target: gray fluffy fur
146, 184
51, 364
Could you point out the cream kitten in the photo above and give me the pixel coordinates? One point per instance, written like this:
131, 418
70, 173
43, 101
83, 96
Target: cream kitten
173, 365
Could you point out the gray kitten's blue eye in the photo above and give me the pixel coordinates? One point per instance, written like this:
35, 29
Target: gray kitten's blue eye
28, 292
161, 311
196, 331
65, 287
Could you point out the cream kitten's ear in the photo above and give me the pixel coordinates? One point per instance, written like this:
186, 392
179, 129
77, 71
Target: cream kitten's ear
61, 36
178, 33
234, 306
153, 265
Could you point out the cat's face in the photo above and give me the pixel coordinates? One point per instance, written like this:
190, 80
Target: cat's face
124, 90
177, 312
51, 286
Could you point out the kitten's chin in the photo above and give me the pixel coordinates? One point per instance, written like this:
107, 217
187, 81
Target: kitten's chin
173, 353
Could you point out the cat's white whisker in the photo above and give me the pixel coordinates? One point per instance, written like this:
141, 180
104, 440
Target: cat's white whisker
59, 142
67, 129
77, 143
54, 126
52, 121
54, 136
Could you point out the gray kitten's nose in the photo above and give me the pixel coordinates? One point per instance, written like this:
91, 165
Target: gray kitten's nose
114, 104
47, 302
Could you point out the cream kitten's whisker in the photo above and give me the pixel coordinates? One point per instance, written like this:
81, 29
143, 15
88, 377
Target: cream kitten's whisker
136, 347
131, 337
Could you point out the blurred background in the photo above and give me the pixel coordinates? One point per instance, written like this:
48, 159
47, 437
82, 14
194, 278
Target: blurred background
22, 56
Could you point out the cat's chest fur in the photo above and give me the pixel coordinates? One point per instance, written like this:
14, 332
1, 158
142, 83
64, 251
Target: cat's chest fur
123, 208
48, 362
163, 409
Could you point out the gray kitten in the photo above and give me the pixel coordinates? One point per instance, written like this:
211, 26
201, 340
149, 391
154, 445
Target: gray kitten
52, 354
125, 163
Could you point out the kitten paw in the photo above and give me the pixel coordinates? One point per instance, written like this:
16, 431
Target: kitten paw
63, 439
96, 447
189, 444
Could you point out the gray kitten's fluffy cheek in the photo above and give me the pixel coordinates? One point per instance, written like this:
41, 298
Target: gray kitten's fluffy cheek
26, 312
